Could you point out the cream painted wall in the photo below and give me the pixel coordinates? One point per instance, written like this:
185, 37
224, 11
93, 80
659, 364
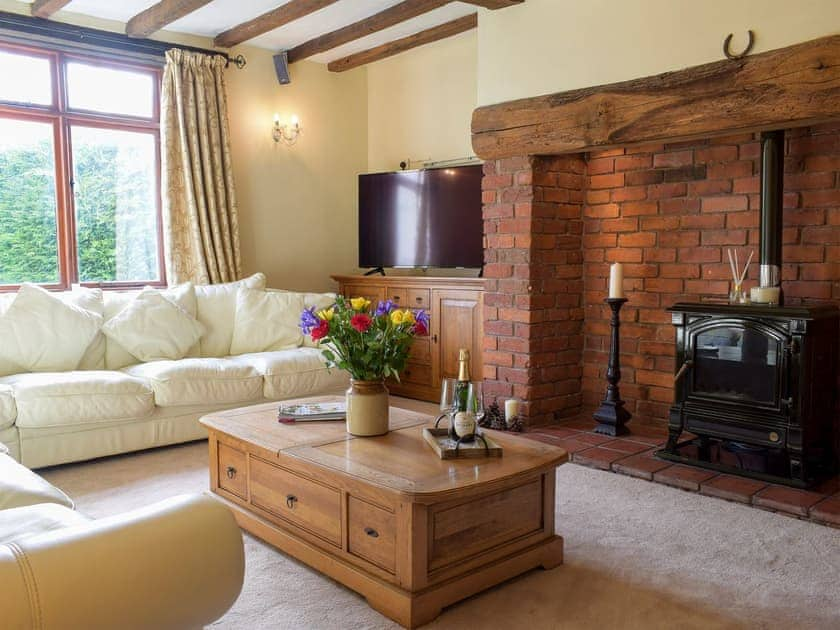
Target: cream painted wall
546, 46
420, 103
298, 204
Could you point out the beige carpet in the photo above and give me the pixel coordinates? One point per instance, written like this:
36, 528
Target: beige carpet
638, 555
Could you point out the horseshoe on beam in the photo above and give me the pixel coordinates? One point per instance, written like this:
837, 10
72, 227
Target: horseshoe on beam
730, 55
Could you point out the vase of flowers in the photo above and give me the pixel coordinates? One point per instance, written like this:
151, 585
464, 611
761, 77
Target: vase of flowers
371, 345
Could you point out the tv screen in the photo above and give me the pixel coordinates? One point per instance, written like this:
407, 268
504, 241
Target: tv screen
425, 218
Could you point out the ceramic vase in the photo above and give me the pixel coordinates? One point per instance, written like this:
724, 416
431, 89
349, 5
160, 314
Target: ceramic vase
367, 408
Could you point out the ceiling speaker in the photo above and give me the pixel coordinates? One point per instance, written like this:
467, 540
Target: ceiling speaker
281, 67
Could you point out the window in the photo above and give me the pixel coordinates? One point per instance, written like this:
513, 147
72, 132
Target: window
79, 171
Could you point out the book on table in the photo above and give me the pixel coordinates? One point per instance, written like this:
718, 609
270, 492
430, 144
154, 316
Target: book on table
312, 412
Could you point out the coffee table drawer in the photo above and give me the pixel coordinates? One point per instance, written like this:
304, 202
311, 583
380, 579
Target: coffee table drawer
233, 470
473, 527
306, 503
371, 533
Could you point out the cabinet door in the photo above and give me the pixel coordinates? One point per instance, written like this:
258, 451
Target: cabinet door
456, 323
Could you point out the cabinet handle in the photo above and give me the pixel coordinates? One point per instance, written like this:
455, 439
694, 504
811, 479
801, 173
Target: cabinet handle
231, 472
290, 501
371, 532
395, 298
434, 338
419, 299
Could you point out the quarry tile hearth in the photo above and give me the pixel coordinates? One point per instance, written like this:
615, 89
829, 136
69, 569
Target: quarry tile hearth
819, 505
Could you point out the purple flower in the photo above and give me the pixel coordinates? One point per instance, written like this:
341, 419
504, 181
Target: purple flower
423, 317
308, 320
384, 308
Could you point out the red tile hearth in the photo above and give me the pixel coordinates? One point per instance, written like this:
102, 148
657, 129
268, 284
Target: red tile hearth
632, 455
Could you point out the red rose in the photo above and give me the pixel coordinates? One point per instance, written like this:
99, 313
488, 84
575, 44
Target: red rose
321, 330
420, 329
360, 322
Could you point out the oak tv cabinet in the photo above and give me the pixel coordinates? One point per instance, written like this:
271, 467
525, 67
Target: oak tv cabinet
456, 321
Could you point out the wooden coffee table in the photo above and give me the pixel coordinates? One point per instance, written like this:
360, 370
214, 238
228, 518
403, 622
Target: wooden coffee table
385, 516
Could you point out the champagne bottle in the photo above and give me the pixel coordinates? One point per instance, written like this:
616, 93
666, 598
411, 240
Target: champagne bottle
463, 421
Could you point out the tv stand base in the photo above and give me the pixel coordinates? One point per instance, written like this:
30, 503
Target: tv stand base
373, 272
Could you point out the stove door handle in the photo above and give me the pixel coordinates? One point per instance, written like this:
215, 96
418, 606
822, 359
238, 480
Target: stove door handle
685, 366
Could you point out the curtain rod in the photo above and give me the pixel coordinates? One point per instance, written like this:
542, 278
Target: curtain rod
47, 30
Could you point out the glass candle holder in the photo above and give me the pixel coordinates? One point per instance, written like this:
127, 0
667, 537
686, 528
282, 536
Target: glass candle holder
737, 294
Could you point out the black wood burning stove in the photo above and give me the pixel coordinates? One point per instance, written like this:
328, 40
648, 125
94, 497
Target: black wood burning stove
756, 387
756, 383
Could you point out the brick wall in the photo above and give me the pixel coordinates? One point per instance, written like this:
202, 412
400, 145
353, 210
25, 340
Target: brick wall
533, 300
667, 212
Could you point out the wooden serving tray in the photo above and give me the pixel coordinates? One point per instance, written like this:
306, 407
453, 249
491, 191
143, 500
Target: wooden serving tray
439, 440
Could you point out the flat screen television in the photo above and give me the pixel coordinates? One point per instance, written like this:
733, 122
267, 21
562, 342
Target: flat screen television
423, 218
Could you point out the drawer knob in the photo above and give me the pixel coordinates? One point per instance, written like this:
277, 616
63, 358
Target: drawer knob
419, 299
395, 298
371, 532
230, 472
290, 501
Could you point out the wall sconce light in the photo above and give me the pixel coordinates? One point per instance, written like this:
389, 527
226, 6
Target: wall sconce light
288, 133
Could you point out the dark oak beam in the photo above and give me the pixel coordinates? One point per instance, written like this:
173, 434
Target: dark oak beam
45, 8
389, 17
270, 20
494, 4
159, 15
790, 87
395, 47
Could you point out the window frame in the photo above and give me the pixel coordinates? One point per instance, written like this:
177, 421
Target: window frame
63, 118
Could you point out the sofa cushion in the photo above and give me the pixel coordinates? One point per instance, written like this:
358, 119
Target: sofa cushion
23, 522
44, 333
217, 310
8, 409
199, 381
318, 301
51, 399
116, 355
20, 486
266, 321
293, 373
153, 327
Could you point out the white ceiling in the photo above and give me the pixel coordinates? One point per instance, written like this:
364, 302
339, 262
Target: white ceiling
221, 15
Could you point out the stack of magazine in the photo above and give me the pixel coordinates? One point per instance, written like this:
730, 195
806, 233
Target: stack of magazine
311, 412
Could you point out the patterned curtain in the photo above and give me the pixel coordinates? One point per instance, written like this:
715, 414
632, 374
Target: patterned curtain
200, 223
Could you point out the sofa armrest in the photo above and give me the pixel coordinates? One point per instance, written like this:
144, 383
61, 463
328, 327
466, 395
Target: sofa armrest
175, 564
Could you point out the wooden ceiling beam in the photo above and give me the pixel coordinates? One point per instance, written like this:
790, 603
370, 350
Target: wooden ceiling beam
45, 8
790, 87
391, 16
159, 15
494, 4
289, 12
428, 36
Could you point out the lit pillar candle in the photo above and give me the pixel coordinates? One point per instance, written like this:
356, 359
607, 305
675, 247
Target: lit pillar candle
616, 280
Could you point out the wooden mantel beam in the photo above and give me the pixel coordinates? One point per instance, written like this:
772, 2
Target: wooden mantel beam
45, 8
790, 87
282, 15
395, 47
159, 15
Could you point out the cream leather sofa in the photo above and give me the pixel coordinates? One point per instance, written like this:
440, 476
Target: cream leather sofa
176, 564
115, 403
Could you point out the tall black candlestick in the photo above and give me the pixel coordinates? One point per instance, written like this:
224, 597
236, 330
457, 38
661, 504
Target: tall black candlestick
611, 415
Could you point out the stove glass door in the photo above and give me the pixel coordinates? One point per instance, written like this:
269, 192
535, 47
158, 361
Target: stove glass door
737, 363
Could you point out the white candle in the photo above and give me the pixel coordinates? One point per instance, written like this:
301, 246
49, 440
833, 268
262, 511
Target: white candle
511, 409
616, 280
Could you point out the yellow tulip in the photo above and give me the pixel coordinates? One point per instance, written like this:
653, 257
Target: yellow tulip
408, 317
396, 317
326, 314
360, 304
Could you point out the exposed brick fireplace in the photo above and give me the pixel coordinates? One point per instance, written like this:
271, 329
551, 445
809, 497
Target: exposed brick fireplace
554, 224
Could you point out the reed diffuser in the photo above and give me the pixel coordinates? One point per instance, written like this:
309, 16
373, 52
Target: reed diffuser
737, 294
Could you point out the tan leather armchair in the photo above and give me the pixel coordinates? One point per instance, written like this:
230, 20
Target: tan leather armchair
175, 564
